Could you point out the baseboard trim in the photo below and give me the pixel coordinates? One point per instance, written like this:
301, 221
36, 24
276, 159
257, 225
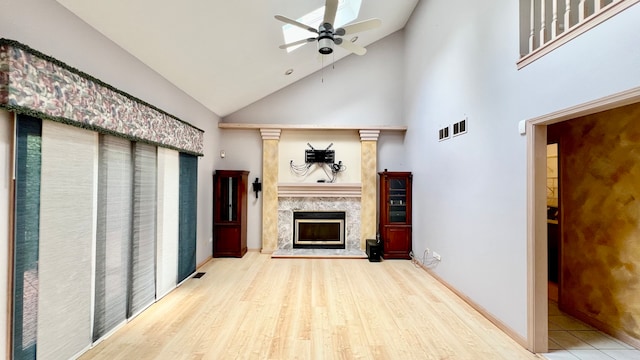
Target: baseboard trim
204, 262
502, 326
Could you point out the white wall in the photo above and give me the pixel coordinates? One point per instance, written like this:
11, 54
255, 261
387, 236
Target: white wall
48, 27
357, 90
470, 191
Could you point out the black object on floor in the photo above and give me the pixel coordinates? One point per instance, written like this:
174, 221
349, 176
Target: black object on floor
198, 275
374, 250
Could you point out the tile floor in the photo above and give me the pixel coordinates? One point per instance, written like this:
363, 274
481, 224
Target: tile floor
570, 339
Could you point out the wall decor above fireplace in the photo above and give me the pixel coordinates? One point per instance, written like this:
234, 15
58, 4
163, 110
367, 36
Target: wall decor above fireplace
325, 159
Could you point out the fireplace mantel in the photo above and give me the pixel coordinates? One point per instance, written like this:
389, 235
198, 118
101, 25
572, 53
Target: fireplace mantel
319, 190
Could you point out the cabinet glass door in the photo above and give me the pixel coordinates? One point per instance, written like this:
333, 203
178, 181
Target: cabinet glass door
397, 200
228, 199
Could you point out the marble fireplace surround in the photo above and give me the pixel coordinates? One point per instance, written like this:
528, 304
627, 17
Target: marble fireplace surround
319, 197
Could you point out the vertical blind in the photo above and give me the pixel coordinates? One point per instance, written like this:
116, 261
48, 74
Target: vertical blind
167, 234
67, 235
113, 235
99, 232
27, 225
188, 214
142, 292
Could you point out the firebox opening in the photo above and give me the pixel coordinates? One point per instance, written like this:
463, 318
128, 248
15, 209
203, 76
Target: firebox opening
319, 229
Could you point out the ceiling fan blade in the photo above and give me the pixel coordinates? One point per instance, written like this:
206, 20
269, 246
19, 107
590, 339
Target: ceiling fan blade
330, 9
360, 26
303, 41
295, 23
356, 49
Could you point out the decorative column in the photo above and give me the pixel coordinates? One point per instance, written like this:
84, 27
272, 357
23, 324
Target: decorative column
369, 155
270, 142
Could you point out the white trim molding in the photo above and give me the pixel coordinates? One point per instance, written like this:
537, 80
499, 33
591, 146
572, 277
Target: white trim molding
319, 190
270, 134
242, 126
369, 135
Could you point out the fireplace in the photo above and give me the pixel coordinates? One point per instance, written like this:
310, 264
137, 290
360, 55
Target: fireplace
319, 229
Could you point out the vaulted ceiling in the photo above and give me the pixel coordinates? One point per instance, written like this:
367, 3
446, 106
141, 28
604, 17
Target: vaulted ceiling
225, 53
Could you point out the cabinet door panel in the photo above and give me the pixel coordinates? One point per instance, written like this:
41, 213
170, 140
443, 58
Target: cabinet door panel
227, 199
226, 240
397, 239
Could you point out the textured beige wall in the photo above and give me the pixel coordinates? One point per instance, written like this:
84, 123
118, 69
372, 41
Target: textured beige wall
600, 219
269, 195
368, 226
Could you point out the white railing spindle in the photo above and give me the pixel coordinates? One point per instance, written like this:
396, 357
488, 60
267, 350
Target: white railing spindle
543, 22
597, 4
582, 10
554, 20
532, 30
567, 15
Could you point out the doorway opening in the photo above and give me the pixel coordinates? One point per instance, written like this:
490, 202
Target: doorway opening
538, 249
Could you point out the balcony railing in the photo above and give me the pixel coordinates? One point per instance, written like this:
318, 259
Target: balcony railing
547, 24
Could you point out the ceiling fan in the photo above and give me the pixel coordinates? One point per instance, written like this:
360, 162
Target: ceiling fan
327, 36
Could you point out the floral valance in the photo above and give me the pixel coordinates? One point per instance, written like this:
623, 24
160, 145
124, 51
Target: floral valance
39, 85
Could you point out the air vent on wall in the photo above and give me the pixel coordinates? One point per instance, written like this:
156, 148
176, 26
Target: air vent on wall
460, 127
443, 134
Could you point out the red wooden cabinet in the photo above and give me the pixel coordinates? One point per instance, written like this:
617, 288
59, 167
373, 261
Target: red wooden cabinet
230, 213
395, 214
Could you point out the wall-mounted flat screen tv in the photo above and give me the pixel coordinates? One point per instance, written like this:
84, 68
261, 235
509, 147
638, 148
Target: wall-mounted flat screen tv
319, 156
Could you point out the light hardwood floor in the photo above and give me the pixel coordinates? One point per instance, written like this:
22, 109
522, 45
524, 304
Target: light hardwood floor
262, 308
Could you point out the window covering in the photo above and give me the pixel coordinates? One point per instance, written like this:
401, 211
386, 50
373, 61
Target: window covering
113, 235
143, 248
67, 239
188, 215
57, 91
27, 232
167, 252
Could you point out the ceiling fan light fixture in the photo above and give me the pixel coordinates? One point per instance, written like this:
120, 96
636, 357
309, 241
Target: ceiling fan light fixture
325, 45
328, 35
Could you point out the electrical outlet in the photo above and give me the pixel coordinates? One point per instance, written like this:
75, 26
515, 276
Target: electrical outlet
436, 256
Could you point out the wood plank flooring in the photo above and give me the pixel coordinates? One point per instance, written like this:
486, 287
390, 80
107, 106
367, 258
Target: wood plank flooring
263, 308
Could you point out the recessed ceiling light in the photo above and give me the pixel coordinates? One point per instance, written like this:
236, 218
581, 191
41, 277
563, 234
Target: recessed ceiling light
288, 72
354, 39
